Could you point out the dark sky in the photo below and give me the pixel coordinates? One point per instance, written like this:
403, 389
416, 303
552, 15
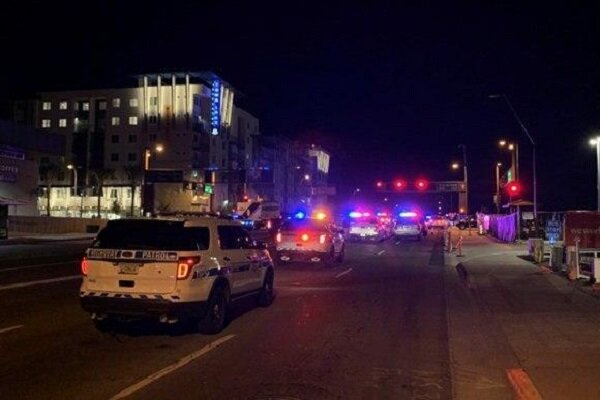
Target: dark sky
391, 91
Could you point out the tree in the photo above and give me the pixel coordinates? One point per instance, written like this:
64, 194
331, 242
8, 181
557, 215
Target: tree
134, 175
49, 172
101, 175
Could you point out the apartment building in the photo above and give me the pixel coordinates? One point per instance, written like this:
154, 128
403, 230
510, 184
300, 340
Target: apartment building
114, 135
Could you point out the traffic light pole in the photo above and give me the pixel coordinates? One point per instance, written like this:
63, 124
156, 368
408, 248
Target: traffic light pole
466, 177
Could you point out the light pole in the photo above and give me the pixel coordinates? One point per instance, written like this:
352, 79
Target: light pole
158, 148
596, 142
357, 190
75, 185
498, 165
526, 132
465, 177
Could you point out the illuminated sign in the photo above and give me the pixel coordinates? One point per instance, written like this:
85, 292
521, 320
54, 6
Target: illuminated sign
322, 160
208, 188
215, 108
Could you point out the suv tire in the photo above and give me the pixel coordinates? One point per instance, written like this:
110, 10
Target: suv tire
265, 296
215, 317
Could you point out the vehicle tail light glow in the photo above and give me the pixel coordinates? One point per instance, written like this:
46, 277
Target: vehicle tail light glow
85, 266
322, 238
304, 237
269, 224
320, 215
278, 237
184, 266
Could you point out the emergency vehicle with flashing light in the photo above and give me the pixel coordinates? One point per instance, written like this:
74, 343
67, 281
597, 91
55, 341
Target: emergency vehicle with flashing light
364, 226
173, 269
409, 225
309, 239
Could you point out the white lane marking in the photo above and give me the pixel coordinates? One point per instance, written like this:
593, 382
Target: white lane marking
167, 370
343, 273
397, 243
381, 252
37, 266
40, 282
10, 328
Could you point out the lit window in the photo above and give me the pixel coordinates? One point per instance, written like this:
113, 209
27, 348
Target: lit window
116, 102
113, 193
114, 157
129, 193
153, 101
102, 105
131, 157
133, 120
46, 123
85, 106
133, 102
46, 105
62, 122
115, 121
63, 105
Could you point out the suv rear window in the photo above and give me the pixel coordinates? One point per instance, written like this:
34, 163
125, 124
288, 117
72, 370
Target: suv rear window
152, 235
310, 224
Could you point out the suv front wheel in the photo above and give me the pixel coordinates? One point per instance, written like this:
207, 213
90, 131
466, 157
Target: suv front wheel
265, 296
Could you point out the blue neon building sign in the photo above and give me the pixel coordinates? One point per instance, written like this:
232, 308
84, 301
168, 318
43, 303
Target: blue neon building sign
215, 108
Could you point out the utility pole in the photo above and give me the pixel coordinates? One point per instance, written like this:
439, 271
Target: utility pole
465, 177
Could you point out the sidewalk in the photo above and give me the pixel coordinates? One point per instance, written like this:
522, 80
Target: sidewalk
33, 238
505, 313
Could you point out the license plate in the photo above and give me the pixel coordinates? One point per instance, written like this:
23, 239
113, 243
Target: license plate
129, 269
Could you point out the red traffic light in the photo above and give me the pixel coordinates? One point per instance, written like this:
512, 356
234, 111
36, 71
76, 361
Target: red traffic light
513, 188
399, 184
421, 184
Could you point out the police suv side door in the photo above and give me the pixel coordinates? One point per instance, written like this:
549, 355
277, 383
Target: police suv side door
256, 257
233, 258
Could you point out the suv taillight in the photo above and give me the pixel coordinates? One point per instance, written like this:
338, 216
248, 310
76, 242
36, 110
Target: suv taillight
278, 237
322, 238
84, 266
184, 266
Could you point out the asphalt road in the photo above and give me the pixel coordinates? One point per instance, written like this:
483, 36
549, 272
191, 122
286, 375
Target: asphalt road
373, 327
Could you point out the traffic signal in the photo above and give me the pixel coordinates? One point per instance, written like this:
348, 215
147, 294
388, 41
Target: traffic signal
399, 184
421, 184
513, 188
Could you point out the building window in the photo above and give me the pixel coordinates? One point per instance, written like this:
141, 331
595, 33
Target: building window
46, 105
114, 139
152, 119
131, 157
85, 106
113, 193
116, 102
63, 105
133, 120
114, 157
62, 122
132, 138
153, 101
115, 121
102, 105
133, 102
128, 192
61, 193
46, 123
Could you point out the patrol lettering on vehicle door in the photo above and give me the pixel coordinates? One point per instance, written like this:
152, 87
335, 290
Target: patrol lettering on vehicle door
159, 255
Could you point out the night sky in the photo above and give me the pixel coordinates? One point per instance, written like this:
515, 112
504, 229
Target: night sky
391, 91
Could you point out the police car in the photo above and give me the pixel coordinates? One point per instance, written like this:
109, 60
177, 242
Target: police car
173, 269
363, 226
309, 239
409, 225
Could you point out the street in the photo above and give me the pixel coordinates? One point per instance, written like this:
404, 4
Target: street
372, 327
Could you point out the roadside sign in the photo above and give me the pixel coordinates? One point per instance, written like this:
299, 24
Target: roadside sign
208, 188
582, 227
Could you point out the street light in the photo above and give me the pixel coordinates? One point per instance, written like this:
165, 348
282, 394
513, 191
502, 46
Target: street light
455, 166
465, 177
75, 186
526, 132
596, 142
514, 149
357, 190
158, 148
498, 165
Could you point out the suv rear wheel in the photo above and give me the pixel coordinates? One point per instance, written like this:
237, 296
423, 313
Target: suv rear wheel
216, 312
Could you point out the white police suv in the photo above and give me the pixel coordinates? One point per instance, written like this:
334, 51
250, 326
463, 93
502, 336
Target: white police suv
173, 269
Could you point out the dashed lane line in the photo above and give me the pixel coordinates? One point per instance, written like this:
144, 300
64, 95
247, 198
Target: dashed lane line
39, 282
37, 265
173, 367
343, 273
380, 253
10, 328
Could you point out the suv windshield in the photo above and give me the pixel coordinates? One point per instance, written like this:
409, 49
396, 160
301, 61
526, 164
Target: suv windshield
152, 235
